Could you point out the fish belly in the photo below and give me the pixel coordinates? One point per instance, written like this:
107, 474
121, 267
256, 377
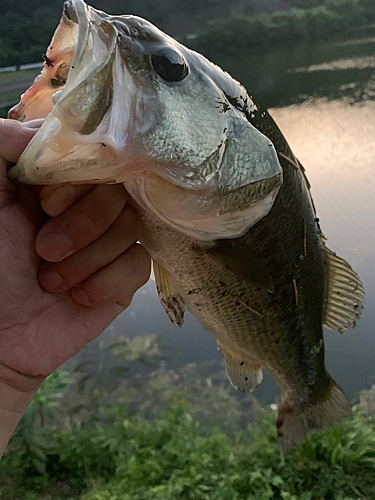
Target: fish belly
256, 325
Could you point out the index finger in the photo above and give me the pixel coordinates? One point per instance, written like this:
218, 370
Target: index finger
58, 198
14, 137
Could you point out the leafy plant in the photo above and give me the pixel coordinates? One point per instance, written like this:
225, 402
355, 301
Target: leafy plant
172, 454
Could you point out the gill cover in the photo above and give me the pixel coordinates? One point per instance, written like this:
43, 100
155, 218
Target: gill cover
138, 107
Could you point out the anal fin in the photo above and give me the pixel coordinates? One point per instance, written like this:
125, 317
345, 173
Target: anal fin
243, 375
170, 299
344, 295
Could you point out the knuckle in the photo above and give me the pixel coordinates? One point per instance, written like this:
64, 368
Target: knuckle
131, 224
77, 271
118, 282
88, 220
96, 213
125, 301
100, 290
56, 199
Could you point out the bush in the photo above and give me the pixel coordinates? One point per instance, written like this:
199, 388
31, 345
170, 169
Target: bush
234, 33
171, 455
168, 460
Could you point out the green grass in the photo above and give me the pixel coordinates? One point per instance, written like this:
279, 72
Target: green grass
10, 98
13, 96
18, 75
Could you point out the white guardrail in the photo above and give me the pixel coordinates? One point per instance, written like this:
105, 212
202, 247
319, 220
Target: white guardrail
9, 69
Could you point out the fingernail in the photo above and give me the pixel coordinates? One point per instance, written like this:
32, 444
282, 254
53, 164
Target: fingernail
50, 280
59, 200
54, 247
80, 296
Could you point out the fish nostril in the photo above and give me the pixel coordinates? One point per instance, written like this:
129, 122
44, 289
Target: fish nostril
70, 12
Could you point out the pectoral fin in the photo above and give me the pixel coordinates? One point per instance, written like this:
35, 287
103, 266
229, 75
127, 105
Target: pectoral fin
243, 262
344, 295
243, 375
170, 299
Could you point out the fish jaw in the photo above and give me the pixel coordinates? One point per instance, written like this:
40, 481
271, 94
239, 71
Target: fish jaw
198, 214
80, 141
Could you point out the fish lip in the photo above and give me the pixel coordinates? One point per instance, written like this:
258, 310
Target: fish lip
69, 11
17, 173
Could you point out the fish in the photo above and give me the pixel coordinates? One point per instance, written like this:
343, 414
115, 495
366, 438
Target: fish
226, 207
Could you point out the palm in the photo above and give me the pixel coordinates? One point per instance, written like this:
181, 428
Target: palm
39, 330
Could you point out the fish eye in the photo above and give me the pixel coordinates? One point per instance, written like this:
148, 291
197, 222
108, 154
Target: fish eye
169, 64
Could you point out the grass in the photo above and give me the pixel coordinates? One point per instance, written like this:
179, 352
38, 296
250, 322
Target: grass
12, 97
18, 75
7, 99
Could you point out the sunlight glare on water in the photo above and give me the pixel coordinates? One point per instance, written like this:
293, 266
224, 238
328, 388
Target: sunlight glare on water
336, 144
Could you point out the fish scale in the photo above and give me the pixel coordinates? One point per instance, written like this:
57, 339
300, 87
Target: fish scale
252, 337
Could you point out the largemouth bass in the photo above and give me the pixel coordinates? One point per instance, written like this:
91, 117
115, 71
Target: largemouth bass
227, 213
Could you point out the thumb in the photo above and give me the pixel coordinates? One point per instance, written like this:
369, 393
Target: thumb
14, 137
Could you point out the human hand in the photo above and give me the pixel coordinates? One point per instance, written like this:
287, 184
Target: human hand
90, 242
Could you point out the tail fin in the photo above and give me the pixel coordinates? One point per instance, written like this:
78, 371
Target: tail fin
295, 421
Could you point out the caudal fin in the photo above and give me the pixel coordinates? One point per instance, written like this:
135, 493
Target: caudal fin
295, 421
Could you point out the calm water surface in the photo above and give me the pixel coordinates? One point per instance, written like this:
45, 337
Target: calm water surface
322, 97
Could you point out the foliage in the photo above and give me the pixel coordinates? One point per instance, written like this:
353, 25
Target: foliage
236, 33
220, 25
30, 448
167, 436
367, 400
168, 457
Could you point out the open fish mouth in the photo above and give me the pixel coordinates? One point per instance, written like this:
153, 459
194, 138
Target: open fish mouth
126, 103
89, 120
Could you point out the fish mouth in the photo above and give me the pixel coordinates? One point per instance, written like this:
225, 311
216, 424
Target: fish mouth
101, 106
89, 121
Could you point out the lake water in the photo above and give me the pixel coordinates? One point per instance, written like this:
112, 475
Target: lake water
321, 94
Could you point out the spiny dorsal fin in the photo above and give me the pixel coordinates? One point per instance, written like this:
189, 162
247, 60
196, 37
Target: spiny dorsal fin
344, 295
240, 260
243, 375
170, 299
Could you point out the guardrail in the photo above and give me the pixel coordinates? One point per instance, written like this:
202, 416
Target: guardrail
20, 67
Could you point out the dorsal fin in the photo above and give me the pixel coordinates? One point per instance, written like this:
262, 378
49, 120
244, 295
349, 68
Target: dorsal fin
240, 260
170, 299
243, 375
344, 295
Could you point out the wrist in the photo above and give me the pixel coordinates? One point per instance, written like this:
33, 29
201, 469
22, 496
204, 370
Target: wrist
13, 404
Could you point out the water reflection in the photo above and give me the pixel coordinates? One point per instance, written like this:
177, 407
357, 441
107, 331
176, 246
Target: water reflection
339, 64
336, 143
273, 79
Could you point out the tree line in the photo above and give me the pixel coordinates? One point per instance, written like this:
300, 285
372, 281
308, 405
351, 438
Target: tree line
236, 33
27, 27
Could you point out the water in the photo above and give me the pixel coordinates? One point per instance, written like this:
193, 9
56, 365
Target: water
322, 97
